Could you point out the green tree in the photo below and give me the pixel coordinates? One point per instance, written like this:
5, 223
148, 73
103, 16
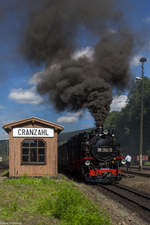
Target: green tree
111, 120
127, 122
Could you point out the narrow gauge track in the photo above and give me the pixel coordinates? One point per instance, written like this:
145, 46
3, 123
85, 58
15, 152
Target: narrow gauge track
136, 173
136, 168
132, 195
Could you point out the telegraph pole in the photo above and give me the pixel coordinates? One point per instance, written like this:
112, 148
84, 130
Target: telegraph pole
142, 60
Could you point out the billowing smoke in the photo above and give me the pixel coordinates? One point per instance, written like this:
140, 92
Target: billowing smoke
75, 84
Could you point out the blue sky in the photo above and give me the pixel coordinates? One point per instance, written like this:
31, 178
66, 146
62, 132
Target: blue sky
19, 98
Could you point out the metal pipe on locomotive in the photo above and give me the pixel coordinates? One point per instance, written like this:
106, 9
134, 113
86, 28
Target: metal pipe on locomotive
95, 156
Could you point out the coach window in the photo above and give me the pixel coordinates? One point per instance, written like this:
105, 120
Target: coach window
33, 151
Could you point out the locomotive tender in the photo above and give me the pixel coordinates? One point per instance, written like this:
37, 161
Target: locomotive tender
95, 156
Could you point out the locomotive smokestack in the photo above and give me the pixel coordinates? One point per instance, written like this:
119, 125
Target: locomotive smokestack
99, 126
99, 129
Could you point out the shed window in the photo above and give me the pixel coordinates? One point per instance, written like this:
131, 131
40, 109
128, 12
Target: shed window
33, 151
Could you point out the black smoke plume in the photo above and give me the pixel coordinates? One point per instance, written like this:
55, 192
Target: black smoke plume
74, 84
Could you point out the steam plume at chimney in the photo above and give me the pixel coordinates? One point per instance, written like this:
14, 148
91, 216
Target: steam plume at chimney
75, 84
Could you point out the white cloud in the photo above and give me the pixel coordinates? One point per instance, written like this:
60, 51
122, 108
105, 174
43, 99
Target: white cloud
83, 52
30, 96
27, 96
119, 102
112, 31
135, 61
35, 79
70, 117
146, 20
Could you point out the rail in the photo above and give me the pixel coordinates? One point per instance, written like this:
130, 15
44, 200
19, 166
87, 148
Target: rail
132, 195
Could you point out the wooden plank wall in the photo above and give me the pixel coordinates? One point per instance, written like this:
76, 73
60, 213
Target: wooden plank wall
48, 169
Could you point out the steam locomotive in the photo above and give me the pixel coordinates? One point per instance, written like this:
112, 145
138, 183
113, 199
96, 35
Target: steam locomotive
95, 156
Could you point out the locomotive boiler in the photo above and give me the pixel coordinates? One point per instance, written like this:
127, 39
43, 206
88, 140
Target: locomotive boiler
95, 156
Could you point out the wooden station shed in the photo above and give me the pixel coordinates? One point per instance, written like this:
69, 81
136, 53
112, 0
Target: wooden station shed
33, 147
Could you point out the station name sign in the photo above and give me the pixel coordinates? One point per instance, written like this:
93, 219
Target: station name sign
33, 132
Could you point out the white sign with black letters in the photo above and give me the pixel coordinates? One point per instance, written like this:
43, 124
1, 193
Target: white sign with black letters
33, 132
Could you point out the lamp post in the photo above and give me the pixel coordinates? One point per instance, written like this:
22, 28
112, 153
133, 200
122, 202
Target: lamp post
142, 60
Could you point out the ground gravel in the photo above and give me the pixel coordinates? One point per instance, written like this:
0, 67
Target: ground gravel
137, 182
121, 211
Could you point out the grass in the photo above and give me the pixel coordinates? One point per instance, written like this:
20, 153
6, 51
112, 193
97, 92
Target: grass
42, 201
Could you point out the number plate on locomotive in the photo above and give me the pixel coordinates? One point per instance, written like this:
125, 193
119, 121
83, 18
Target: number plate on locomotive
104, 150
105, 168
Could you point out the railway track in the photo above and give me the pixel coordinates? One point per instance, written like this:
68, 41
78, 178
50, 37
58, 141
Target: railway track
132, 195
136, 173
144, 168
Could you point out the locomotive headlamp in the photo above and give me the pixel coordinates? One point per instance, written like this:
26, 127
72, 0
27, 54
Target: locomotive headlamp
123, 161
105, 131
87, 163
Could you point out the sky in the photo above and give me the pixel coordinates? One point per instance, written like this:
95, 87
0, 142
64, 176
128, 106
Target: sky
18, 77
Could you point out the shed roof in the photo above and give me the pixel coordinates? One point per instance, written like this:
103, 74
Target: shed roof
9, 126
